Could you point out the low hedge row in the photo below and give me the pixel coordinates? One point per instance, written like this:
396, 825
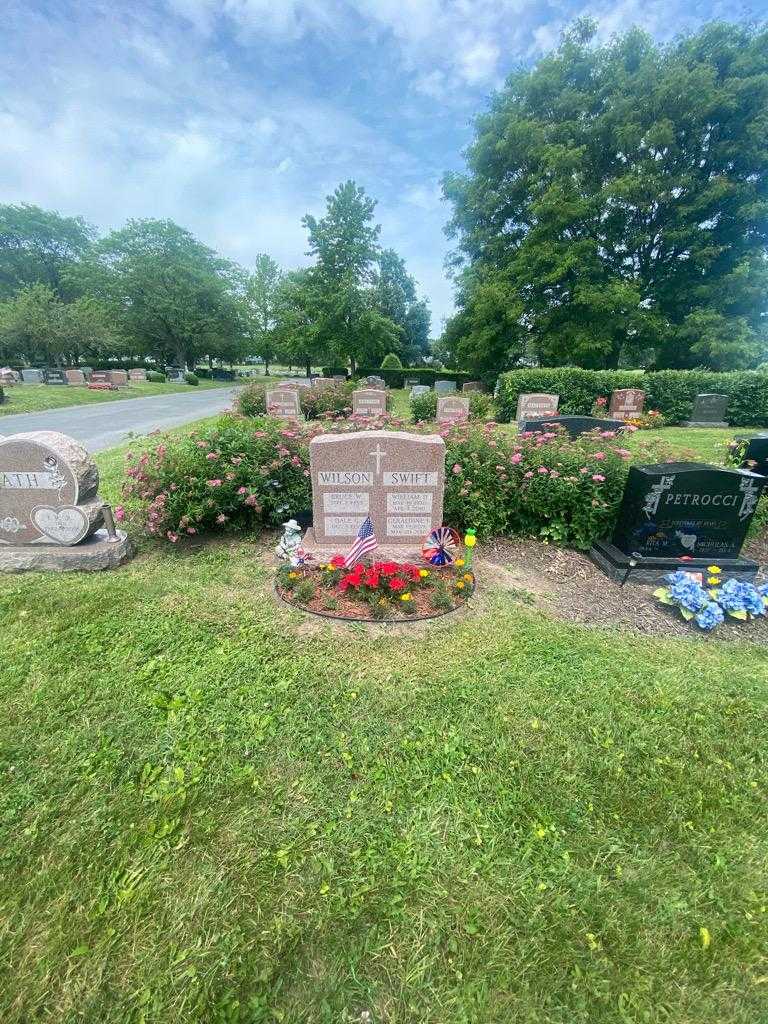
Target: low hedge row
315, 403
395, 377
424, 407
672, 392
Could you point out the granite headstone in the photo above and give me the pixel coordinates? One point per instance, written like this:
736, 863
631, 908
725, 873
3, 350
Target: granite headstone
369, 402
32, 375
626, 403
452, 409
708, 411
375, 382
175, 373
50, 512
283, 403
137, 374
75, 376
536, 406
393, 477
445, 387
681, 515
55, 375
472, 385
420, 389
756, 454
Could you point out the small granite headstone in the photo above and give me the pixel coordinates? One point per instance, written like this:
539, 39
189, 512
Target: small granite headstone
283, 403
119, 377
321, 383
50, 512
369, 402
340, 378
536, 406
175, 373
681, 515
217, 373
420, 389
87, 370
393, 477
409, 382
32, 376
472, 385
445, 387
756, 455
574, 425
8, 377
137, 374
75, 376
375, 382
708, 411
626, 403
100, 377
54, 375
452, 409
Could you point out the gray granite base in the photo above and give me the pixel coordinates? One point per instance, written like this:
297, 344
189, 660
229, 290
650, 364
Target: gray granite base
702, 423
654, 569
96, 553
383, 553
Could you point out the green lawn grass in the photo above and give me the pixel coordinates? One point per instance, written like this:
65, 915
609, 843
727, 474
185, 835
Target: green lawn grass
215, 810
40, 397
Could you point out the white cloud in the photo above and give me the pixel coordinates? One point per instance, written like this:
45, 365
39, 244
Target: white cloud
478, 61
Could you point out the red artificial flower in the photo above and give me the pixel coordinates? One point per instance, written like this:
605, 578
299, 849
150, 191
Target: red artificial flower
397, 584
337, 561
386, 568
371, 578
352, 579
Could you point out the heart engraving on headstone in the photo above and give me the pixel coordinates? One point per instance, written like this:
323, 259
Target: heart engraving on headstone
61, 525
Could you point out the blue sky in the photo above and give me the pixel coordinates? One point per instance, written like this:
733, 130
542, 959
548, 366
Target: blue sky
236, 117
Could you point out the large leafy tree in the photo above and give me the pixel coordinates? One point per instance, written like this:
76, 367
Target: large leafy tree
173, 297
616, 202
39, 247
396, 300
261, 293
36, 326
344, 242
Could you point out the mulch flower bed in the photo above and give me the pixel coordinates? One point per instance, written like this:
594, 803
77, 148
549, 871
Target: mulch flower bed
380, 592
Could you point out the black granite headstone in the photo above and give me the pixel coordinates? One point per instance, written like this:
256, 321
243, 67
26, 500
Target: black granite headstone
681, 514
756, 454
708, 411
220, 374
54, 375
174, 373
575, 425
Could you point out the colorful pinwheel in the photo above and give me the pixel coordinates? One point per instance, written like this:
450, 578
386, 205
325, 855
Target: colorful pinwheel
441, 546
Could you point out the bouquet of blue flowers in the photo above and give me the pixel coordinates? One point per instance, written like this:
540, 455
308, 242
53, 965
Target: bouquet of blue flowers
708, 607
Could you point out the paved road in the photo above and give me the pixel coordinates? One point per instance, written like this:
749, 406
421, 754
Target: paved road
110, 423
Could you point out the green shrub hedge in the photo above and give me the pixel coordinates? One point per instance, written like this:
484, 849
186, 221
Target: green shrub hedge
391, 361
316, 403
424, 407
192, 378
155, 377
672, 392
395, 378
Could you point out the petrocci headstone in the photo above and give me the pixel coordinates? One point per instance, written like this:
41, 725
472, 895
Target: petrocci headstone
535, 407
50, 512
452, 409
708, 411
369, 402
626, 403
681, 510
283, 403
393, 477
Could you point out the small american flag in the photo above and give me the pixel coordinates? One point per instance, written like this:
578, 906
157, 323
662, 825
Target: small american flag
364, 542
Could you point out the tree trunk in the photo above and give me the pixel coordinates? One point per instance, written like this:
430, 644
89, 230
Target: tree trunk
352, 365
266, 367
309, 368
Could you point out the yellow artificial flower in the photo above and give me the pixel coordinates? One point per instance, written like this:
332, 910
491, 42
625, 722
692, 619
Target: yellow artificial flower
382, 600
423, 573
331, 568
460, 585
713, 580
714, 569
468, 577
459, 562
293, 575
405, 597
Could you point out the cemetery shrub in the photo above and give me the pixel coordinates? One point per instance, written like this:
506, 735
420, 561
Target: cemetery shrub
424, 407
203, 372
155, 377
670, 392
2, 395
252, 399
192, 378
395, 378
327, 402
240, 473
391, 362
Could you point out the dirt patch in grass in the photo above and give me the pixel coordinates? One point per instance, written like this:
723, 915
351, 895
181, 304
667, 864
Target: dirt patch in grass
567, 585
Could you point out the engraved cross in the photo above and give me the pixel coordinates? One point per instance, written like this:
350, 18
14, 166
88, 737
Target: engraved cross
378, 455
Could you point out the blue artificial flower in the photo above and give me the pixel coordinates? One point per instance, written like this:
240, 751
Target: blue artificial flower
763, 590
753, 600
711, 615
730, 596
686, 592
